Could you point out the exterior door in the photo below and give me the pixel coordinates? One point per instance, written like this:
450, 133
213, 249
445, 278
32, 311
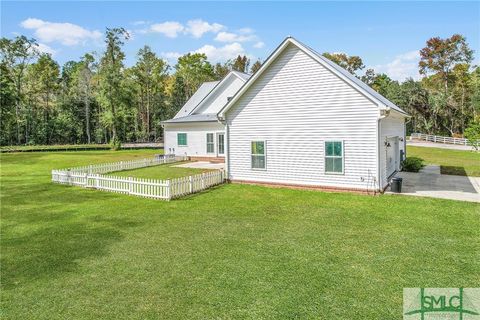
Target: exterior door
221, 144
392, 155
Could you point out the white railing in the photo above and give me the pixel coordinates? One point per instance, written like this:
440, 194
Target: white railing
89, 177
126, 165
439, 139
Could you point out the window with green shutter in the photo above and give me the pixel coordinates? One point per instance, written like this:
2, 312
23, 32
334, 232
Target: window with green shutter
334, 156
181, 139
259, 155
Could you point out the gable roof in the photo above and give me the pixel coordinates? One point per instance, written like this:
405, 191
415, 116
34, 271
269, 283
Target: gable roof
198, 96
202, 117
240, 75
343, 74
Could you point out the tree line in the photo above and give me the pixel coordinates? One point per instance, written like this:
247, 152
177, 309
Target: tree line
97, 99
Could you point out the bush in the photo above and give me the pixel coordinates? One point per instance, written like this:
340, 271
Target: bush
116, 144
412, 164
472, 133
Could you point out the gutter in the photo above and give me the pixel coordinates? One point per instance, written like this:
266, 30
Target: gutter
384, 113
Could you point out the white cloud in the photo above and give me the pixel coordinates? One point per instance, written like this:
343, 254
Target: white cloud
402, 67
217, 54
259, 45
171, 55
233, 37
170, 29
198, 27
43, 48
66, 33
139, 22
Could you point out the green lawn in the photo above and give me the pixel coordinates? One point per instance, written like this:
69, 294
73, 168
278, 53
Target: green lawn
162, 172
232, 252
456, 162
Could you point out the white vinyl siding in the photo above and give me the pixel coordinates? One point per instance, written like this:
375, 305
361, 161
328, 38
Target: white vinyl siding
196, 136
296, 105
210, 143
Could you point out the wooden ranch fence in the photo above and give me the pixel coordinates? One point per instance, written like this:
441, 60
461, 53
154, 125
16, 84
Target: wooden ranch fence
439, 139
90, 177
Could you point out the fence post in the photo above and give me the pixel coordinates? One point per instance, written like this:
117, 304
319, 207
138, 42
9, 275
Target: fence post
130, 185
169, 194
69, 178
96, 181
191, 184
86, 180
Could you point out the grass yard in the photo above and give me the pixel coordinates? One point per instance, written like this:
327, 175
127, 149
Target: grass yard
457, 162
234, 251
162, 172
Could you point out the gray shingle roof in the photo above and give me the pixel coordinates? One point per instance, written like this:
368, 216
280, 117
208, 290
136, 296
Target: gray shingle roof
201, 117
194, 100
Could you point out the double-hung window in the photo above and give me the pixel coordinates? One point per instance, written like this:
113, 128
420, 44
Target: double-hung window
181, 139
210, 143
259, 155
334, 157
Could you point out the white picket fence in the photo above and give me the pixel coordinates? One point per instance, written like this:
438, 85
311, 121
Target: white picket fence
439, 139
89, 177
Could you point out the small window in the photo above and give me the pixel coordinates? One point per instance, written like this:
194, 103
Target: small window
334, 156
258, 155
181, 139
210, 143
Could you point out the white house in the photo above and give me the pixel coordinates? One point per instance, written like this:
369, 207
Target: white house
195, 130
299, 120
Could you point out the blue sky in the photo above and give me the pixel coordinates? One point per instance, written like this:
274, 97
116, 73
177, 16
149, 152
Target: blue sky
387, 35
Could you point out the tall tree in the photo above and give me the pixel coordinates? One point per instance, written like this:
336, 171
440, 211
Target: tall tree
111, 79
149, 75
441, 55
257, 65
194, 69
241, 64
351, 63
16, 54
84, 88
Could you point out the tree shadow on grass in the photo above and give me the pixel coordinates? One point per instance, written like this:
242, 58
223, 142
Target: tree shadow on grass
53, 250
453, 170
48, 229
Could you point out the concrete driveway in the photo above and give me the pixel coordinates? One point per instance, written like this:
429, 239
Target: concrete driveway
430, 183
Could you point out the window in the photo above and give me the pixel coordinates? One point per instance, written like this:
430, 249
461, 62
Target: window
334, 156
258, 155
210, 143
181, 139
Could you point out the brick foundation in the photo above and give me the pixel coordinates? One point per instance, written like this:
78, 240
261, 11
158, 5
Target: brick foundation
306, 187
209, 159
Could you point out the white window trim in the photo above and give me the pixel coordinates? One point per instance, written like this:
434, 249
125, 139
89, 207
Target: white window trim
213, 142
186, 138
265, 154
325, 157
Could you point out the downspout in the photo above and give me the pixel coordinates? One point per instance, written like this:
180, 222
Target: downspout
384, 113
227, 144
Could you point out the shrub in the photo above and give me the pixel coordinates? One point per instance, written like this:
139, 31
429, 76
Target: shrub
412, 164
115, 144
472, 133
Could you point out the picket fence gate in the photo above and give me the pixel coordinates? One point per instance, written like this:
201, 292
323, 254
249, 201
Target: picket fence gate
91, 177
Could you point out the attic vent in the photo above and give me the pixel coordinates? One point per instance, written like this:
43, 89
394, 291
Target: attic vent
229, 98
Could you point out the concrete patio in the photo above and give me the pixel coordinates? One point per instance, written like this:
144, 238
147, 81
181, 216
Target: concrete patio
202, 165
430, 183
